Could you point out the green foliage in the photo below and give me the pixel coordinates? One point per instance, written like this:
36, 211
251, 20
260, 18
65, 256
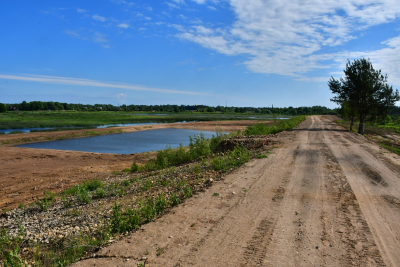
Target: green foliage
234, 158
45, 202
2, 108
160, 203
83, 195
100, 193
174, 199
187, 192
283, 125
365, 90
92, 185
148, 211
134, 167
261, 156
393, 149
127, 183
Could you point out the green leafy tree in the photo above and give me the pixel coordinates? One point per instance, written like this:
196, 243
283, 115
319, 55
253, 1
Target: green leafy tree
2, 108
365, 89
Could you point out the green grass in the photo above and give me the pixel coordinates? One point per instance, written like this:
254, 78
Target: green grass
283, 125
393, 149
41, 119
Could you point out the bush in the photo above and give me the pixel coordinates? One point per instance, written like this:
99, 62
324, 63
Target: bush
48, 199
83, 195
134, 167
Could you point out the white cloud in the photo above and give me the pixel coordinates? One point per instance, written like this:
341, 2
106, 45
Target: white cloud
124, 25
93, 83
287, 37
171, 5
80, 10
99, 18
99, 38
212, 8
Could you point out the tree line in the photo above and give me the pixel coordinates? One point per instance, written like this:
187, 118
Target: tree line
50, 105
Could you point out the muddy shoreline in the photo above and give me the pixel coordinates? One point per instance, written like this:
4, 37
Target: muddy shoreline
27, 172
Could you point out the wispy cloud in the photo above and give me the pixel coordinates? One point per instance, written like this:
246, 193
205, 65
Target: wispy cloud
98, 18
92, 83
288, 37
124, 25
73, 34
81, 10
99, 38
212, 8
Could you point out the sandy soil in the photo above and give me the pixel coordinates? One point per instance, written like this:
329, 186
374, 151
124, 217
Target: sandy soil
327, 197
26, 173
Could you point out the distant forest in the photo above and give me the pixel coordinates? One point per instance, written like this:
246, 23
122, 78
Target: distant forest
42, 106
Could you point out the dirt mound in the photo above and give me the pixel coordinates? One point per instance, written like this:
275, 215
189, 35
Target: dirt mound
249, 142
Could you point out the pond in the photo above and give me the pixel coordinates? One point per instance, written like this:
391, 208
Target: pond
28, 130
125, 143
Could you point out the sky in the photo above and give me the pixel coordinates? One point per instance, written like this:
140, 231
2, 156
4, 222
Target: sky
246, 53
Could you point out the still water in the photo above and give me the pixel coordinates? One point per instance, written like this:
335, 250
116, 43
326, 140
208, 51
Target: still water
125, 143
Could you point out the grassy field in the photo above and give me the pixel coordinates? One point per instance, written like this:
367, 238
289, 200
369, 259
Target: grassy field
391, 125
41, 119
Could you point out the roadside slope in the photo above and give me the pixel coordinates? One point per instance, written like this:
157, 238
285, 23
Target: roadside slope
327, 197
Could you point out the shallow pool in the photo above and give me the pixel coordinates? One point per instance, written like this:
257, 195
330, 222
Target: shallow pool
125, 143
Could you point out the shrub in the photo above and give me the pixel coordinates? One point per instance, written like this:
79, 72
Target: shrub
48, 199
100, 193
134, 167
174, 199
83, 195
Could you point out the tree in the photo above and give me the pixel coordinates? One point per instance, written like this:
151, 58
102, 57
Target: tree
2, 108
365, 90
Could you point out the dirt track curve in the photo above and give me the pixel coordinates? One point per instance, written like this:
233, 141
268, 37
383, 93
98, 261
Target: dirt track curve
327, 197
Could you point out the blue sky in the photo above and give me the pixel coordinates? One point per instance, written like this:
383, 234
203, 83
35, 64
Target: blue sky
240, 52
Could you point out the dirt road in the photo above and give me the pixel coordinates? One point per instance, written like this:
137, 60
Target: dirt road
328, 197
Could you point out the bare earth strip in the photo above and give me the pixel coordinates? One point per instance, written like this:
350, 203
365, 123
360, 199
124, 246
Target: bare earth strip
327, 197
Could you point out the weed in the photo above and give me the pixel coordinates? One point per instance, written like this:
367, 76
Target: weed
163, 182
83, 195
48, 199
92, 185
245, 190
21, 205
215, 194
187, 192
148, 211
146, 252
160, 203
174, 199
147, 185
127, 183
261, 156
100, 193
134, 167
160, 251
67, 203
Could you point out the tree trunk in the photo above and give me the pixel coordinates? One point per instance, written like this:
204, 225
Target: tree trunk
351, 124
361, 127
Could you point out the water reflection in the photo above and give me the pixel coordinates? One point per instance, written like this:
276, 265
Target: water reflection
125, 143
